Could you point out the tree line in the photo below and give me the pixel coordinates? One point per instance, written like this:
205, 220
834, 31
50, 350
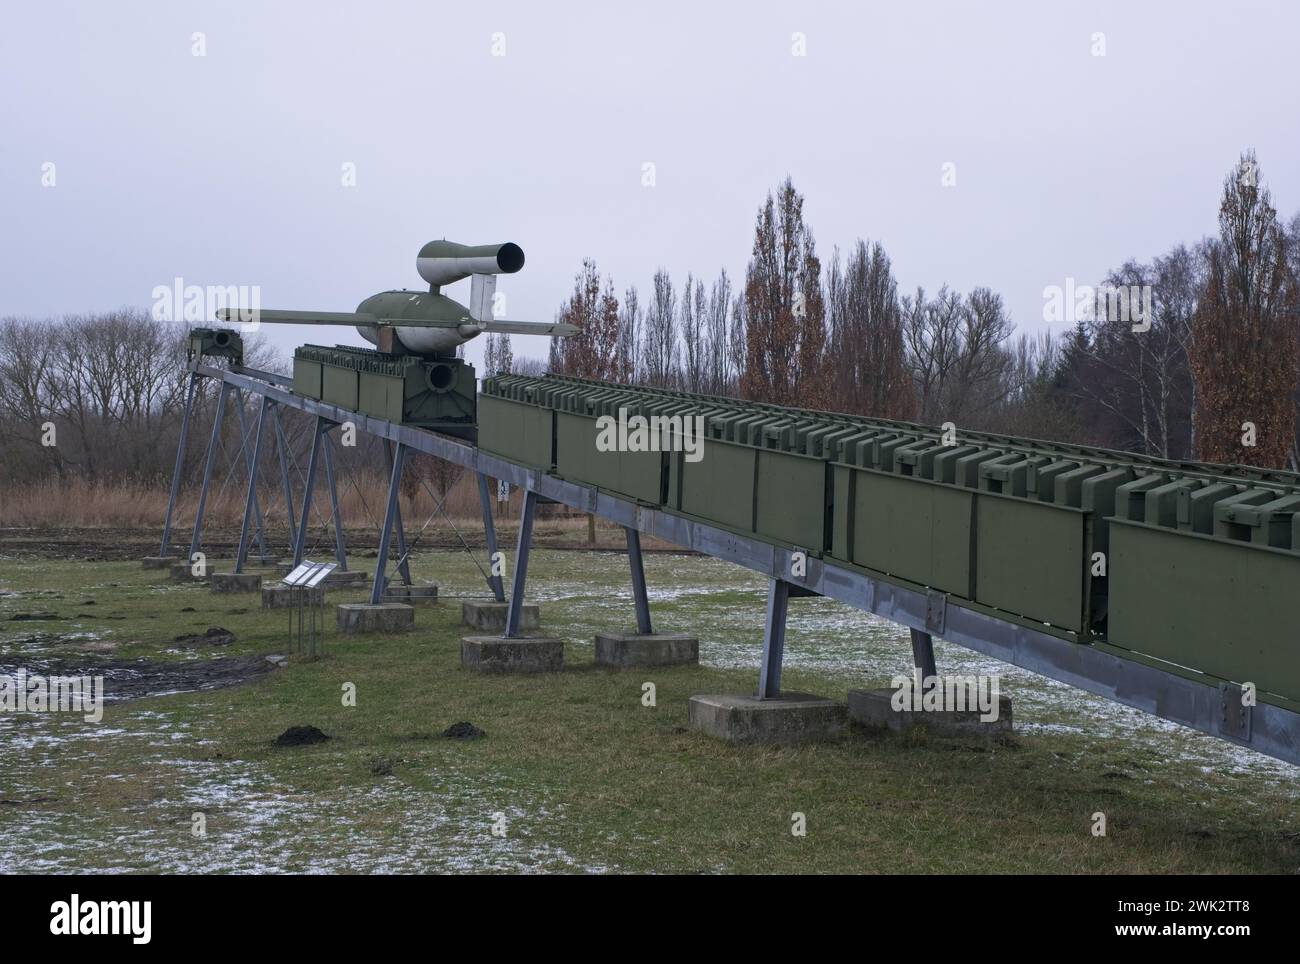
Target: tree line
1209, 373
1204, 366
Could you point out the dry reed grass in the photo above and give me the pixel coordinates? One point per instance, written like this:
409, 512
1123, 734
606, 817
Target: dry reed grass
78, 503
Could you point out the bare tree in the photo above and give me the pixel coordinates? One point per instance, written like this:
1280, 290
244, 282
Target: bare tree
718, 366
737, 343
868, 356
784, 307
498, 356
956, 350
629, 335
533, 367
96, 395
692, 328
659, 350
593, 351
1244, 354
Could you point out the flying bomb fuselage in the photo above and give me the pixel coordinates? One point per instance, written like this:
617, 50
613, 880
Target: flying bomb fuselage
419, 306
428, 323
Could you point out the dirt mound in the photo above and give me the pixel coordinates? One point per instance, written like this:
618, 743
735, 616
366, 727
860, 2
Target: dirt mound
300, 736
215, 636
463, 730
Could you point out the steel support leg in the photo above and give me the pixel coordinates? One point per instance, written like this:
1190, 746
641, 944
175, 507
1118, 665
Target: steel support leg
340, 547
250, 498
213, 442
180, 464
778, 605
516, 610
248, 459
495, 583
309, 485
282, 450
638, 582
923, 654
404, 563
386, 533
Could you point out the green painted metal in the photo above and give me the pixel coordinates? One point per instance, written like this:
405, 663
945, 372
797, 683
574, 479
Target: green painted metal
216, 343
525, 433
791, 500
1030, 560
916, 530
1189, 563
428, 324
721, 485
638, 475
1218, 606
436, 394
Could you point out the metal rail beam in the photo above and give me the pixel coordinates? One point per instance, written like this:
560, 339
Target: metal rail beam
494, 580
515, 613
309, 486
191, 388
923, 653
403, 561
778, 607
250, 498
340, 546
639, 595
251, 465
281, 448
380, 583
1274, 730
213, 442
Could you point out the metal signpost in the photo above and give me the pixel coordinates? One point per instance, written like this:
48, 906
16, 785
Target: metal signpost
305, 580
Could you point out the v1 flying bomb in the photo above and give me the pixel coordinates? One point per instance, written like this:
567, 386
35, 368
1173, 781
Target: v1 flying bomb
429, 324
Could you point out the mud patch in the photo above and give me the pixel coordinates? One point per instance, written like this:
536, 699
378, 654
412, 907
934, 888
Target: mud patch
215, 636
138, 678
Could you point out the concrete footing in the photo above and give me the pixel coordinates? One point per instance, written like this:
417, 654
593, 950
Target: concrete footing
412, 595
338, 577
366, 618
347, 577
875, 709
278, 596
235, 581
626, 650
788, 718
491, 616
184, 572
522, 654
158, 562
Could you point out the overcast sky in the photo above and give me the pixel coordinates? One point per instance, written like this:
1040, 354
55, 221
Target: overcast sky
227, 168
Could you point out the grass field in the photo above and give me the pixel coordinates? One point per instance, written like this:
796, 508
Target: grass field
575, 773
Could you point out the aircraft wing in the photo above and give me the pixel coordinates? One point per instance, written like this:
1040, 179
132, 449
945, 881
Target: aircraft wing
350, 318
555, 330
300, 317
